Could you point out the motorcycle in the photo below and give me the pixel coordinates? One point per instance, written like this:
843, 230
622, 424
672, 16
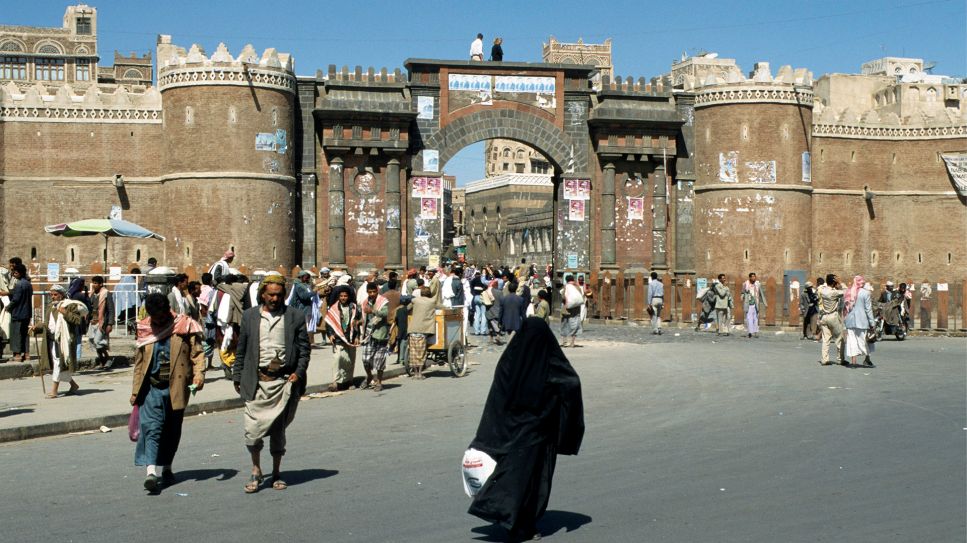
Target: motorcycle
892, 318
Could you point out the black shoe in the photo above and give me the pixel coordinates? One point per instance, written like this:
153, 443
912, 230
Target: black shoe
151, 483
868, 363
844, 363
168, 477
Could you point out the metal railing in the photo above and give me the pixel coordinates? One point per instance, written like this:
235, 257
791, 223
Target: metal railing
128, 293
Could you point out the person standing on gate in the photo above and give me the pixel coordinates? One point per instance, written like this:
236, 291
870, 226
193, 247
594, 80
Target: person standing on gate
753, 301
656, 298
497, 52
476, 48
723, 305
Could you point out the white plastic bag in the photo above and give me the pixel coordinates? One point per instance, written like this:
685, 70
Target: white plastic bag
478, 466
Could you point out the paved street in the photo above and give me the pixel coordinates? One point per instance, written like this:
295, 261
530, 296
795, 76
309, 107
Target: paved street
689, 438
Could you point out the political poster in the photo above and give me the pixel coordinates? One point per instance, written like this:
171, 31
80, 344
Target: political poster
428, 208
424, 107
575, 210
418, 187
265, 141
636, 209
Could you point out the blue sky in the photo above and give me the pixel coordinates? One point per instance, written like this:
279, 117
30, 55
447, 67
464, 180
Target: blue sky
821, 35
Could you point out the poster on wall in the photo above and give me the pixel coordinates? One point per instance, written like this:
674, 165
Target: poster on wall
957, 170
807, 168
53, 272
535, 91
571, 189
418, 187
434, 188
431, 160
469, 89
281, 141
572, 260
265, 141
575, 210
728, 167
428, 208
636, 209
761, 171
424, 107
584, 189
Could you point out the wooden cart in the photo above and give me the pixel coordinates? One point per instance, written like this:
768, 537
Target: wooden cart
449, 346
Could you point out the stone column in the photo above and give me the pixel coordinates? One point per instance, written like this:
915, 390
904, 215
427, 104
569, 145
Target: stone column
337, 213
608, 241
394, 238
660, 222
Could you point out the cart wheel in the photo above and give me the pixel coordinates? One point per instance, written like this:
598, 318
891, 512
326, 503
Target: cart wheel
457, 357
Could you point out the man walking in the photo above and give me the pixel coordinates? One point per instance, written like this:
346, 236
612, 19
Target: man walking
169, 353
376, 335
102, 316
343, 321
573, 299
723, 305
656, 298
222, 269
831, 318
270, 375
753, 300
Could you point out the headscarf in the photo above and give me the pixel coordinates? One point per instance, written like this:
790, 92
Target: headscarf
60, 289
535, 396
149, 332
854, 291
271, 279
76, 287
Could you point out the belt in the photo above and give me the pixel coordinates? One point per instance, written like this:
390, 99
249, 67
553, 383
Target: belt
158, 383
266, 376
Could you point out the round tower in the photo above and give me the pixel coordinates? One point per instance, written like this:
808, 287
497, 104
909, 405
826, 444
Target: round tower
753, 187
228, 158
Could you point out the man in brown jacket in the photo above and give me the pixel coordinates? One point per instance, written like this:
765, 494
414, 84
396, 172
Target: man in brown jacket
169, 364
421, 328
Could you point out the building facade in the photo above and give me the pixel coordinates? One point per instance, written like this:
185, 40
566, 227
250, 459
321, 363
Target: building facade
702, 170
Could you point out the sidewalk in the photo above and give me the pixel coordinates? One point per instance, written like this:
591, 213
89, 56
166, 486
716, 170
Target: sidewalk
104, 394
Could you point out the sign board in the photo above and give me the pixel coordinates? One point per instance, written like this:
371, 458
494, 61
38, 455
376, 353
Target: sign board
572, 260
942, 287
434, 261
701, 283
116, 213
114, 273
459, 241
53, 272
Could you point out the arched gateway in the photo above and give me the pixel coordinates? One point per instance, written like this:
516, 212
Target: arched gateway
382, 140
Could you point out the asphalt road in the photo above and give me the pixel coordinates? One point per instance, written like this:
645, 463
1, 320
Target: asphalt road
687, 440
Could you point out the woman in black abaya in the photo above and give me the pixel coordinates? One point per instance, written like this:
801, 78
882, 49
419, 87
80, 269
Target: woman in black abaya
533, 413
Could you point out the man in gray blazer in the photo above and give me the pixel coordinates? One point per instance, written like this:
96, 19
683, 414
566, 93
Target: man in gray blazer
270, 374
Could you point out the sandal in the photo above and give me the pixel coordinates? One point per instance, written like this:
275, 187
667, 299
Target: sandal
378, 386
253, 484
51, 396
278, 483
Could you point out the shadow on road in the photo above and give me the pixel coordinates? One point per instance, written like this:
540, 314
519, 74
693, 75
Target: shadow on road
205, 475
301, 476
18, 411
86, 391
551, 523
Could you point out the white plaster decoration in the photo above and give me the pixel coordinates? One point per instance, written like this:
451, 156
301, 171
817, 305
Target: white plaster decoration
754, 94
889, 132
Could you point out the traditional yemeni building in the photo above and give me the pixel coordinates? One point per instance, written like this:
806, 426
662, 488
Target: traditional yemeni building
508, 217
698, 171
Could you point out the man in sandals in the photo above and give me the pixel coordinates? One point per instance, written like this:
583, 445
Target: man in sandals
376, 326
270, 374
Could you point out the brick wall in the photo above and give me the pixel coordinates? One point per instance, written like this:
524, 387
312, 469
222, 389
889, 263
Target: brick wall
896, 235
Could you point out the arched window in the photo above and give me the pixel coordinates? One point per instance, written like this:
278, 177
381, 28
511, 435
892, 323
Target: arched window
132, 73
507, 152
49, 49
11, 46
931, 94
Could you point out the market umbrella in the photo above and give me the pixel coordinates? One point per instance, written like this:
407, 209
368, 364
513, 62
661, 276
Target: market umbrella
109, 228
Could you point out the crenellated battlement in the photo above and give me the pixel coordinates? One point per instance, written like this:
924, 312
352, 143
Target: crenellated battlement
629, 85
789, 86
178, 67
98, 103
368, 77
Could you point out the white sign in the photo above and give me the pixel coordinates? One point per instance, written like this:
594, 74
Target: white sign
941, 287
424, 107
431, 160
116, 213
114, 273
957, 168
53, 272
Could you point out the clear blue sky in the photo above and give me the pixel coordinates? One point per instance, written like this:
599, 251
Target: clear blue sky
821, 35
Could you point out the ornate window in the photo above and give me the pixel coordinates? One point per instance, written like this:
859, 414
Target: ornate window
13, 68
11, 46
507, 152
82, 70
49, 69
133, 73
49, 49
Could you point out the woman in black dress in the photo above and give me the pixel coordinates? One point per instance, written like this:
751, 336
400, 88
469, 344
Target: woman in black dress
497, 52
533, 413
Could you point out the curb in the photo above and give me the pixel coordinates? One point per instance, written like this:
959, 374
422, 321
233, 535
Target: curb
121, 419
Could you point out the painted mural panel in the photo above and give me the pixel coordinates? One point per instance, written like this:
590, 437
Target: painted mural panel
473, 89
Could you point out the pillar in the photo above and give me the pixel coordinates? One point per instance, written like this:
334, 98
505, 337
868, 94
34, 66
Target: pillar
394, 238
337, 213
660, 222
608, 242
